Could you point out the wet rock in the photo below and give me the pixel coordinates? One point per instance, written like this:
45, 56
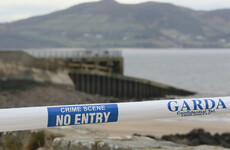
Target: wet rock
200, 137
136, 134
150, 136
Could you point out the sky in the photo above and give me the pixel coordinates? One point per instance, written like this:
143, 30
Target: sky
12, 10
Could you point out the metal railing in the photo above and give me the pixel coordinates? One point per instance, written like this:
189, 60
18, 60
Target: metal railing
71, 53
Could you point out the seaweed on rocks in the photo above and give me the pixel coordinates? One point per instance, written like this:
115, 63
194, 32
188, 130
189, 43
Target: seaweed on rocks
200, 137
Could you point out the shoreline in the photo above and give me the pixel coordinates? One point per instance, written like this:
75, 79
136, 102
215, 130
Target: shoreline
158, 128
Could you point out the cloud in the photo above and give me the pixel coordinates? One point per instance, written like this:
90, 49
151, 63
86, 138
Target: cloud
11, 10
12, 13
194, 4
202, 4
59, 3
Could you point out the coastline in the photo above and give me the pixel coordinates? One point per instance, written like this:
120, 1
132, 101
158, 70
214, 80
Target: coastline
158, 128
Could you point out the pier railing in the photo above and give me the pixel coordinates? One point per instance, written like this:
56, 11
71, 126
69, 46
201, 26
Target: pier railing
71, 53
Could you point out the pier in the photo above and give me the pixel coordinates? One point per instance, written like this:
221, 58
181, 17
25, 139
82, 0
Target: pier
121, 86
99, 72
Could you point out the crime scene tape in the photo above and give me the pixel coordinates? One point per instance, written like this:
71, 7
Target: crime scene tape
15, 119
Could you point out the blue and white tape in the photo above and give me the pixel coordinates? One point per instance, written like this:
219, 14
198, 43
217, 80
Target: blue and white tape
82, 114
42, 117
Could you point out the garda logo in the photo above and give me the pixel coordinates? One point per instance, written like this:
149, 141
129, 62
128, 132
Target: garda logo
196, 107
82, 114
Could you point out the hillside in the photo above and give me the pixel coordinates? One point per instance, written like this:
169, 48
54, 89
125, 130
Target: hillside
110, 24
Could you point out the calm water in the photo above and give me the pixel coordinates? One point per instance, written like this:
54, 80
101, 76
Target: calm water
204, 71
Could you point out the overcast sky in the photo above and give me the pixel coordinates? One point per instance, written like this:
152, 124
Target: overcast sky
11, 10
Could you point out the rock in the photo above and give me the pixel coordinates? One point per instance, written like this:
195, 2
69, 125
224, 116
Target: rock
200, 137
136, 134
86, 144
61, 144
74, 144
82, 138
150, 136
111, 144
41, 148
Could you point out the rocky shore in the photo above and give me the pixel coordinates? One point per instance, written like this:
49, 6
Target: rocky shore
82, 138
200, 137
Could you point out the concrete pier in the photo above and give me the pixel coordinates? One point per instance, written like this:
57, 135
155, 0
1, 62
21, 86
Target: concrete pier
95, 72
121, 86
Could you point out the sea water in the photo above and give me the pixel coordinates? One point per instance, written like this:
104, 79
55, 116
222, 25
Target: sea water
204, 71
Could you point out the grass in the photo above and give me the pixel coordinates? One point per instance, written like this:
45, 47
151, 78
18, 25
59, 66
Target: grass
13, 144
45, 64
36, 140
50, 138
29, 141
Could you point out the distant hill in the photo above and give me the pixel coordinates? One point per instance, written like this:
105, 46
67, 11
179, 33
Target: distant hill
110, 24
